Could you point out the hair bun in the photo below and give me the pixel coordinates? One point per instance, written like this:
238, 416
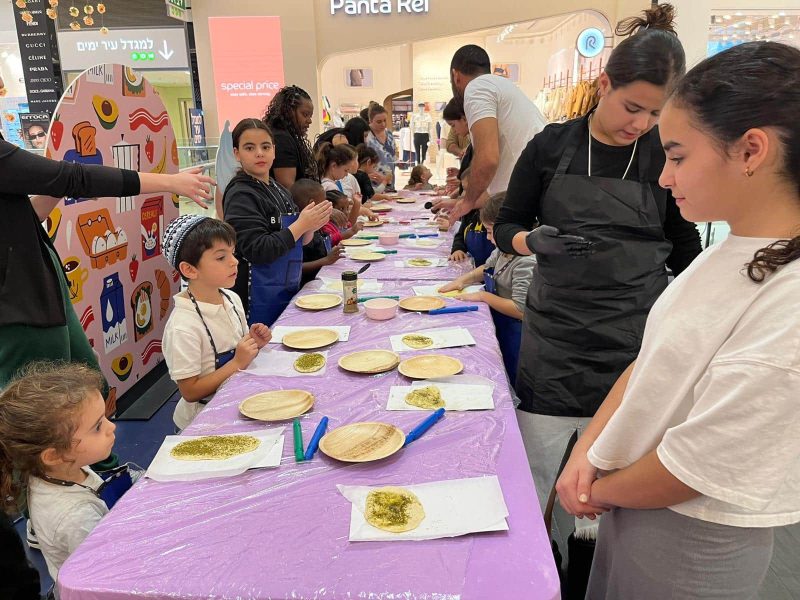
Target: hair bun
660, 16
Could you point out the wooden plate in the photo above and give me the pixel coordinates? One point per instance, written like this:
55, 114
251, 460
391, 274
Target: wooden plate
367, 256
428, 366
309, 339
406, 200
318, 301
380, 208
356, 242
362, 442
373, 223
369, 361
422, 303
277, 405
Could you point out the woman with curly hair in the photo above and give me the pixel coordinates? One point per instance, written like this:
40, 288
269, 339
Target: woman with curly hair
289, 116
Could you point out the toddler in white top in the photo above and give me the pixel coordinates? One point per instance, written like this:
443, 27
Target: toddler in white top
206, 339
53, 425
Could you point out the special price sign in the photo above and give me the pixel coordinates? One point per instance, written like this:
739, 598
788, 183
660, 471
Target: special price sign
247, 56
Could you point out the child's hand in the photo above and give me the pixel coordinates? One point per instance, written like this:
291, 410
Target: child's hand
458, 256
357, 199
339, 218
335, 254
261, 334
453, 286
443, 223
357, 226
369, 214
472, 297
314, 216
246, 351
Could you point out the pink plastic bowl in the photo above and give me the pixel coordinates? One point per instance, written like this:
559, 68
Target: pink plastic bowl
389, 239
381, 309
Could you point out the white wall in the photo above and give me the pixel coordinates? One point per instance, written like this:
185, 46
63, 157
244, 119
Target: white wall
391, 71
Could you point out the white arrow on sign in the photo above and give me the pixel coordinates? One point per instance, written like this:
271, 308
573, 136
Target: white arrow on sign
166, 53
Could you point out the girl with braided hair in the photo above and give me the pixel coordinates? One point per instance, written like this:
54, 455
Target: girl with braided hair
289, 116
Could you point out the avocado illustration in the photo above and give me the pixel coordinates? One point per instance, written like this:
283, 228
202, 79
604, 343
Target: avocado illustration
106, 110
122, 366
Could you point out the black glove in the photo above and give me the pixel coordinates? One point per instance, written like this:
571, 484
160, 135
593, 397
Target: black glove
548, 241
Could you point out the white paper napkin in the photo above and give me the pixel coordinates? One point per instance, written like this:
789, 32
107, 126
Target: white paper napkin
456, 396
435, 262
281, 330
443, 337
364, 285
166, 468
271, 362
452, 508
433, 290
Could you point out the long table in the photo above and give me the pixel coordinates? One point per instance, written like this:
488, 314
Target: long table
283, 533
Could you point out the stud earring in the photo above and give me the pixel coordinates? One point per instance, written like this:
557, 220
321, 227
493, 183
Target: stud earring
748, 172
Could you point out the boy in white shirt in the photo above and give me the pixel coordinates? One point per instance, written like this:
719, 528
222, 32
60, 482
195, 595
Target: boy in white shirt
206, 339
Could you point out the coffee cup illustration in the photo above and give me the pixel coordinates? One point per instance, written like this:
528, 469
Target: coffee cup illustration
76, 277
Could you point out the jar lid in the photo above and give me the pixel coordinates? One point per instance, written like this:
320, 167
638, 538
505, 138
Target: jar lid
349, 276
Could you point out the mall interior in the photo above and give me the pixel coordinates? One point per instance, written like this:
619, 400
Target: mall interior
161, 84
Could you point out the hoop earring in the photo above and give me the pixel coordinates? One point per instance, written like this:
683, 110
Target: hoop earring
748, 172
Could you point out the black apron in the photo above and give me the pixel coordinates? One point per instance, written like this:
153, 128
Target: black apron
585, 317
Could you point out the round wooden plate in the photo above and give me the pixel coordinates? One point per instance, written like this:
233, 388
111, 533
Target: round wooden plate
362, 442
373, 223
318, 301
309, 339
406, 200
369, 361
379, 208
277, 405
428, 366
422, 303
367, 256
356, 242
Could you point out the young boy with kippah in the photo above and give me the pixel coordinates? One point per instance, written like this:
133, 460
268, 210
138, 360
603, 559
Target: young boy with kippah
206, 339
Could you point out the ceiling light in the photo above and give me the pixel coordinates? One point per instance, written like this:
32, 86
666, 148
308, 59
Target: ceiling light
727, 17
738, 13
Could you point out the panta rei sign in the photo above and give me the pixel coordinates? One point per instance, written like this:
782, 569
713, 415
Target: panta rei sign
379, 7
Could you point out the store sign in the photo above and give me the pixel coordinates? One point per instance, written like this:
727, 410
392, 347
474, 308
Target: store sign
42, 79
179, 9
379, 7
197, 127
140, 48
591, 42
247, 58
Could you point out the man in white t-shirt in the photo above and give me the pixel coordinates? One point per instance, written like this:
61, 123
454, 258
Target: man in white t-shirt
501, 118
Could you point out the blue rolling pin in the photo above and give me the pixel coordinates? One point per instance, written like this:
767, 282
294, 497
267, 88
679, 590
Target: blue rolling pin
452, 309
314, 443
420, 429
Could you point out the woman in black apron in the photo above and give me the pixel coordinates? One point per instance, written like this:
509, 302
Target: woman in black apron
607, 233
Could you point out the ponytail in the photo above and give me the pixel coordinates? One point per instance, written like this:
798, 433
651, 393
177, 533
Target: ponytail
651, 52
328, 154
375, 109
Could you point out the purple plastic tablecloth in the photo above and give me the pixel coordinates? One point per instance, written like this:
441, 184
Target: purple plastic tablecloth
283, 533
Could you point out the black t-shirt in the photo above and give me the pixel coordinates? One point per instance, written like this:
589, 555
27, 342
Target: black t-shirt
367, 191
312, 251
287, 153
537, 165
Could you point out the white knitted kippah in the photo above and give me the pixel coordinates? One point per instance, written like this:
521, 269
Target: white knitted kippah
176, 233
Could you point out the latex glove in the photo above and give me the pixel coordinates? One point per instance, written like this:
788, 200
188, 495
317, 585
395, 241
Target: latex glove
548, 241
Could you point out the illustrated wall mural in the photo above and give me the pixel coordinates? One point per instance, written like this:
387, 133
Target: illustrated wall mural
120, 283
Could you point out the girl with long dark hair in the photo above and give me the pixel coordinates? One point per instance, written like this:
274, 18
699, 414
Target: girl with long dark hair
698, 440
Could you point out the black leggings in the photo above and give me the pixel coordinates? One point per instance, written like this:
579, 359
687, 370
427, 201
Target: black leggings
421, 146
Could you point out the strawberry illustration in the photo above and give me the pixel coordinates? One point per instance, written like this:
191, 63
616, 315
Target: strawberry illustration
133, 268
56, 132
149, 148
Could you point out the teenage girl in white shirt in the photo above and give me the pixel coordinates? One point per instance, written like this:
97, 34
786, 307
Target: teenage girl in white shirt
696, 445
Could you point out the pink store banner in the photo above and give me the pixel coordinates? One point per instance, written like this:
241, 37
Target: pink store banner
247, 56
120, 284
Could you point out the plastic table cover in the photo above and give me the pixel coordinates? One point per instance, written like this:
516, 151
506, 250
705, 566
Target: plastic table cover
283, 533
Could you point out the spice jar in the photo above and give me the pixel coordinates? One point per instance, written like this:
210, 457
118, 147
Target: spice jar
350, 288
